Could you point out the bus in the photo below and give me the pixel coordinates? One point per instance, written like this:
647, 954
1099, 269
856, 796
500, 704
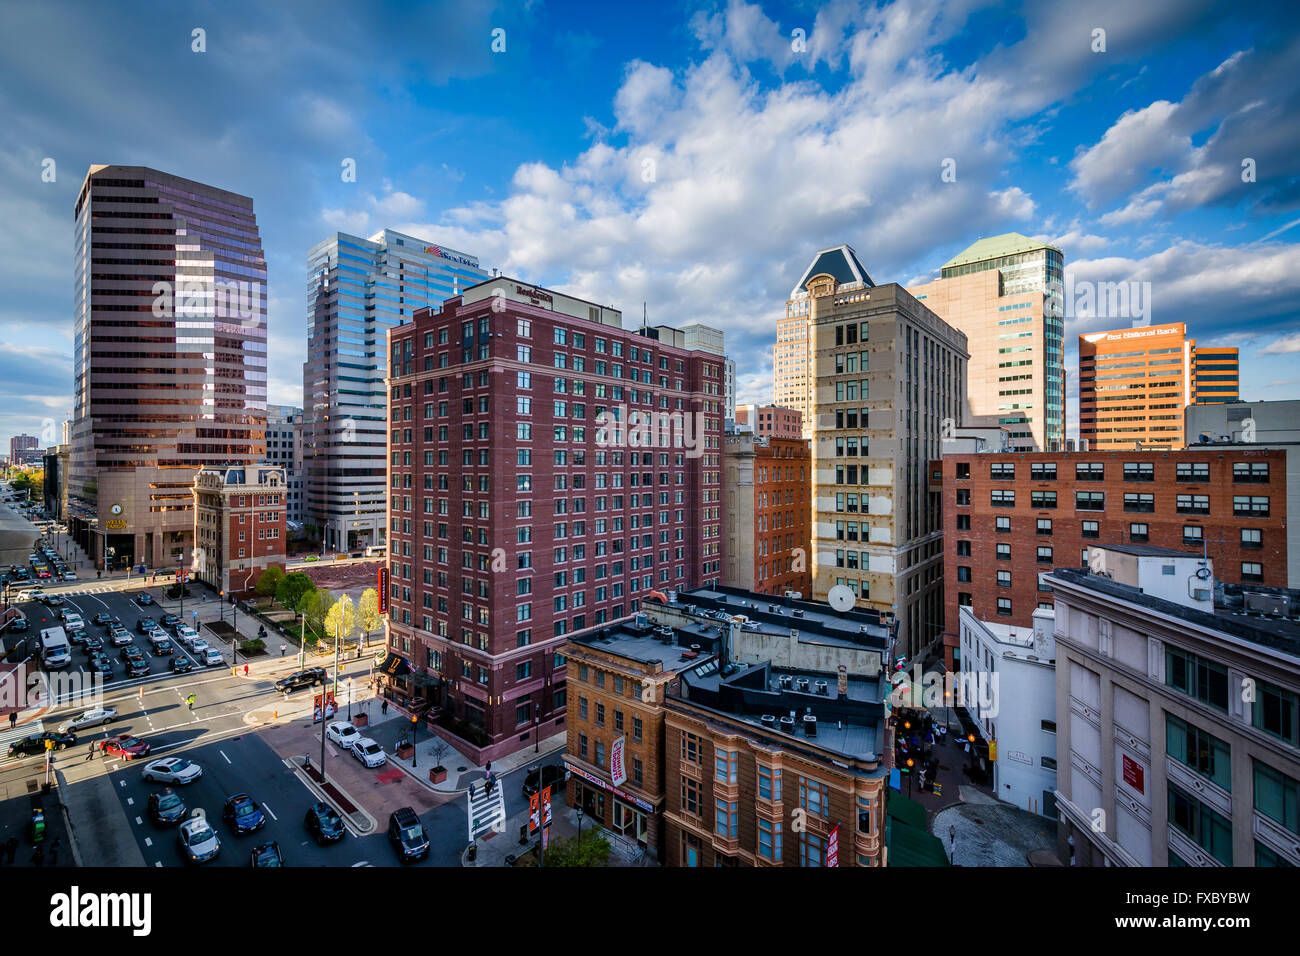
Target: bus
376, 551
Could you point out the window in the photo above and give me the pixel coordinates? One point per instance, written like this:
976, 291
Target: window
690, 796
725, 765
1196, 677
1276, 711
963, 496
769, 784
1002, 471
1004, 579
769, 839
1252, 572
1203, 826
1192, 471
1044, 555
812, 850
1042, 499
727, 819
1250, 506
1002, 499
1277, 796
1193, 534
814, 796
1255, 471
1139, 471
963, 522
1203, 752
1143, 503
1043, 526
1139, 532
1250, 538
1002, 525
1004, 606
963, 572
963, 469
1089, 471
1004, 552
691, 748
1043, 471
1192, 504
1091, 529
1090, 501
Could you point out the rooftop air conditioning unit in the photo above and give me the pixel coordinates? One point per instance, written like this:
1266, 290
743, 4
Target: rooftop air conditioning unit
822, 687
802, 684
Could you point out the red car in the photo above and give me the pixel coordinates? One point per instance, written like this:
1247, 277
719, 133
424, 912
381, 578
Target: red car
126, 747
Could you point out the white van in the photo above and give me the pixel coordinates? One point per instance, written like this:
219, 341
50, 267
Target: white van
74, 621
55, 650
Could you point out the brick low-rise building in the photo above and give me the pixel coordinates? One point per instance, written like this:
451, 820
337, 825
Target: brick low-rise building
239, 525
547, 470
1008, 517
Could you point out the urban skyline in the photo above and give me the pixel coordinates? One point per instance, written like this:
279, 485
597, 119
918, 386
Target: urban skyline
1073, 186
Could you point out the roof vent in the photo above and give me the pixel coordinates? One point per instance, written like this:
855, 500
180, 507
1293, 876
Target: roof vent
786, 680
802, 684
787, 724
810, 725
769, 721
821, 687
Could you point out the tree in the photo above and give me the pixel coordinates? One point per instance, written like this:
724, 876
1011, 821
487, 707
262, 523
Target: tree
313, 606
439, 750
340, 619
291, 588
368, 616
270, 580
591, 849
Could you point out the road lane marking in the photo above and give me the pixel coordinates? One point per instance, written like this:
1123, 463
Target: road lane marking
130, 801
158, 863
272, 812
223, 754
138, 821
148, 841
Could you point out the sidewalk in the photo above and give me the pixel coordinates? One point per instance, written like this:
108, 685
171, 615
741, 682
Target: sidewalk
460, 773
502, 849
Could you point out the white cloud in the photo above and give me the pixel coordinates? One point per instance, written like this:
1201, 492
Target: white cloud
1284, 345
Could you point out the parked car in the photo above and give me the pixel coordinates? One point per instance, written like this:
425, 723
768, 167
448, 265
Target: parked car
198, 841
324, 823
243, 814
125, 746
35, 744
103, 618
172, 770
303, 678
368, 752
89, 718
342, 733
211, 657
406, 833
184, 633
181, 664
166, 808
266, 854
537, 779
70, 575
71, 618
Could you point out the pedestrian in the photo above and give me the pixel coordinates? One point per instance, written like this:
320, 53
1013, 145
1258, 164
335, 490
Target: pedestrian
11, 850
98, 574
282, 650
245, 670
90, 754
38, 858
471, 789
189, 701
383, 708
13, 719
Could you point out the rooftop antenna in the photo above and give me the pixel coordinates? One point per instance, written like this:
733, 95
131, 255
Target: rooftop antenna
644, 322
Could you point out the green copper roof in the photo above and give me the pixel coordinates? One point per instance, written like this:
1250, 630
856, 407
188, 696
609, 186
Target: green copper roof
995, 247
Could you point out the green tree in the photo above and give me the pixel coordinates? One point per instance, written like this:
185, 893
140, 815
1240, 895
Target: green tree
368, 616
270, 580
591, 849
340, 619
314, 605
290, 590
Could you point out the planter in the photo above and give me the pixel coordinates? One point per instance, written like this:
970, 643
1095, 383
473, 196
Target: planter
406, 753
437, 774
360, 720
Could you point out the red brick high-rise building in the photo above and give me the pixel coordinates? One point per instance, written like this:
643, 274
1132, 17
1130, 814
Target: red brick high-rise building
767, 514
548, 469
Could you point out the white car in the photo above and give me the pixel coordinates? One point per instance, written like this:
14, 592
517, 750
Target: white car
91, 718
342, 733
70, 575
185, 634
211, 657
31, 594
369, 752
197, 645
198, 841
172, 770
73, 620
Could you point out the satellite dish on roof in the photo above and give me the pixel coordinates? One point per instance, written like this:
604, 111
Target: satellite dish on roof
841, 598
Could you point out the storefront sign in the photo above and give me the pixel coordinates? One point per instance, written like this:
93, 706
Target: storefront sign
546, 807
617, 772
596, 781
383, 589
833, 847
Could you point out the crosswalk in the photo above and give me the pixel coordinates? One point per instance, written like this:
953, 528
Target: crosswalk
487, 812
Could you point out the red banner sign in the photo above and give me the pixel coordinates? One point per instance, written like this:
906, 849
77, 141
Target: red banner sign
833, 847
1133, 775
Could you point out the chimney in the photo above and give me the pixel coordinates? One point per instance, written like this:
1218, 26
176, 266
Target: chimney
842, 684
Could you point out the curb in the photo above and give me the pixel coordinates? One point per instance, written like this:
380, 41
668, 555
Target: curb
457, 792
295, 766
67, 819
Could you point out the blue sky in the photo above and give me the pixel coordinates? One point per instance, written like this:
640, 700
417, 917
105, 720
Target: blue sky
680, 154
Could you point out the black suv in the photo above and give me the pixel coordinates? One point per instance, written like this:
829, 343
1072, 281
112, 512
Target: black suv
169, 621
166, 808
406, 834
145, 599
144, 625
102, 618
304, 678
539, 779
323, 823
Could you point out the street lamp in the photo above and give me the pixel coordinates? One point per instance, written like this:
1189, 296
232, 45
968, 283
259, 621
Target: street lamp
910, 763
952, 843
415, 733
579, 823
537, 735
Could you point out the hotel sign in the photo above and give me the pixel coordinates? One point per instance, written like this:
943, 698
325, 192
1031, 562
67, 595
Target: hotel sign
535, 294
